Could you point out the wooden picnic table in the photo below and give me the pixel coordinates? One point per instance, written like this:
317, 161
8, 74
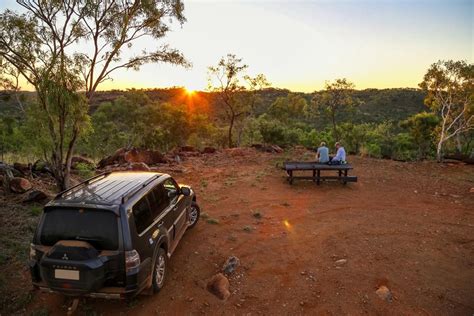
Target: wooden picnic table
291, 166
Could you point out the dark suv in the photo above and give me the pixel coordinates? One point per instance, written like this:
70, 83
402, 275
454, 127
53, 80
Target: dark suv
111, 236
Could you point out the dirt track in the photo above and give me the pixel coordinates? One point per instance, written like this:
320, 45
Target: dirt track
409, 226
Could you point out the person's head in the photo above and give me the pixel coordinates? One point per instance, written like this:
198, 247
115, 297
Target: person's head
337, 145
323, 144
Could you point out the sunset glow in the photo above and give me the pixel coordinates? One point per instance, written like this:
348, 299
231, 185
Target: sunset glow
300, 45
189, 92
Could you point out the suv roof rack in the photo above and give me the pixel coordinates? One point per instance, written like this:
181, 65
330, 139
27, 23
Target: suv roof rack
88, 181
135, 190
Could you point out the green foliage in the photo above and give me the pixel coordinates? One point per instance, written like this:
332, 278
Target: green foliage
421, 128
85, 170
135, 120
36, 210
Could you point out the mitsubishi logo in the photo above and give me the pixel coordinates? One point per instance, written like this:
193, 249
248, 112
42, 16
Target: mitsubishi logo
65, 257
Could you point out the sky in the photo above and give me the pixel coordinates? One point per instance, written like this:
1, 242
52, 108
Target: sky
299, 45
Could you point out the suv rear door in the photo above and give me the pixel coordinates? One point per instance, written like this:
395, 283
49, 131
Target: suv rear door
142, 216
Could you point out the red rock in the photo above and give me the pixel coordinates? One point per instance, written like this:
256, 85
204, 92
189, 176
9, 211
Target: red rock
149, 157
219, 286
36, 196
22, 167
122, 156
138, 166
19, 185
209, 150
188, 149
384, 293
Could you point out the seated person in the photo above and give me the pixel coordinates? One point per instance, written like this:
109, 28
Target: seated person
340, 157
322, 155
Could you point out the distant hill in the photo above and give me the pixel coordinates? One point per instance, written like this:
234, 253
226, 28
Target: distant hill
376, 105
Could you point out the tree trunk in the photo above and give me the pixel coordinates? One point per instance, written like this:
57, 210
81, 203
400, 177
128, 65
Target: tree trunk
231, 126
439, 150
333, 117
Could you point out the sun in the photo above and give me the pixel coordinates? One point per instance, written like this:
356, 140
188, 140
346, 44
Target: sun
189, 92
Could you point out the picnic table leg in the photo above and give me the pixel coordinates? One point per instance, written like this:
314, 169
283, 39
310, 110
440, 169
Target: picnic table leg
317, 180
345, 175
314, 175
291, 177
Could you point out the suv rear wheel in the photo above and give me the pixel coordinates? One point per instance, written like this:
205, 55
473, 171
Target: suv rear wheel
159, 270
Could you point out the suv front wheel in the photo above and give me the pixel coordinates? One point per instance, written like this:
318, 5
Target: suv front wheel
159, 270
193, 215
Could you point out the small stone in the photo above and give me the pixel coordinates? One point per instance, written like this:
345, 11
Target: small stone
456, 196
415, 191
231, 265
303, 273
384, 293
302, 303
190, 299
341, 262
471, 190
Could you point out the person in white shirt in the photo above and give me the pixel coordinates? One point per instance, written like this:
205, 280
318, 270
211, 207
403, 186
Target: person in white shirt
340, 155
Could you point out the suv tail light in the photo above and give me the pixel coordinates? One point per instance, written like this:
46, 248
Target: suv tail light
132, 261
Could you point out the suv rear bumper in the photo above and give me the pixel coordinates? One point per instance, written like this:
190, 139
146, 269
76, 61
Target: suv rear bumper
105, 292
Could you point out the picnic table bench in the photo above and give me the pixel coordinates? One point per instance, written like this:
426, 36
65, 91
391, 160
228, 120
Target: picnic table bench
291, 166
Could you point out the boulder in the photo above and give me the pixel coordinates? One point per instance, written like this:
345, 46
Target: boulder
41, 167
116, 158
268, 148
138, 166
150, 157
219, 286
209, 150
276, 149
230, 265
36, 196
123, 156
22, 168
19, 185
188, 149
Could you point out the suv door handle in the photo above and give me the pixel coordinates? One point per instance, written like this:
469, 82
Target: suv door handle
161, 223
175, 208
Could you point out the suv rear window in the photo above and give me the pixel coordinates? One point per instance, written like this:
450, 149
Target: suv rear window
97, 227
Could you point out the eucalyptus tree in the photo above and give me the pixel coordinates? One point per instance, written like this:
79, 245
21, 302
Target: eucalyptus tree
336, 97
450, 93
61, 47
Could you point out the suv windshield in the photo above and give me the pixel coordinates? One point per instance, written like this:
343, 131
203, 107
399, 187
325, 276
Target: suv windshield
97, 227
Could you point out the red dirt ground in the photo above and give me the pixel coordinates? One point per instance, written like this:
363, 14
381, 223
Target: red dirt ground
408, 226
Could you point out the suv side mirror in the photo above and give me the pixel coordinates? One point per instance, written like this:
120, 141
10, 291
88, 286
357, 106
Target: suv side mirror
185, 191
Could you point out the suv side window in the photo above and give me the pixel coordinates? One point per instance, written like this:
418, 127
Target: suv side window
159, 200
142, 214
